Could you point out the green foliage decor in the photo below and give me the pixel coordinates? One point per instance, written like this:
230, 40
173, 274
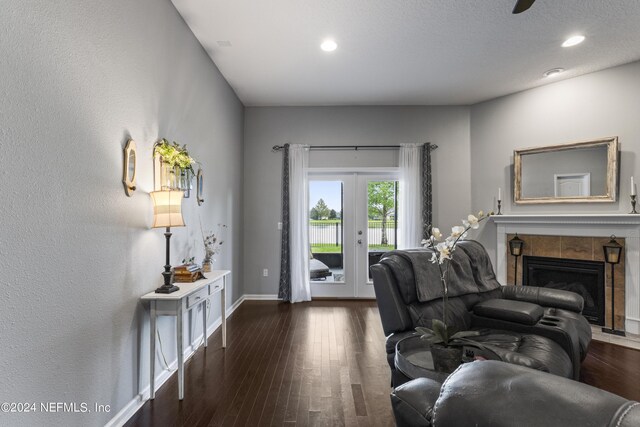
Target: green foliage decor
443, 334
175, 155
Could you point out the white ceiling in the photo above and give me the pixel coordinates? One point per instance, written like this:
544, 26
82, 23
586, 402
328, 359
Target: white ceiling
406, 52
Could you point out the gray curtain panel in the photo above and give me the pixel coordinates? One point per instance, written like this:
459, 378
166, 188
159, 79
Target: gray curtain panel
427, 199
284, 290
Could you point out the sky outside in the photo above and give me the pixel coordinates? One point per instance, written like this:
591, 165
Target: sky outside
329, 191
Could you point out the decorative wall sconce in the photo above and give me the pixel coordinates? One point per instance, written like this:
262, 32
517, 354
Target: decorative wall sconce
612, 255
172, 167
199, 187
129, 169
515, 247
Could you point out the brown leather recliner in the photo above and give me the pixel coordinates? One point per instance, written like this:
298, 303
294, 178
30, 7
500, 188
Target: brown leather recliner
545, 328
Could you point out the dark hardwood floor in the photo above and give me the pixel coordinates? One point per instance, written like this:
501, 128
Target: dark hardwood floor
612, 368
318, 363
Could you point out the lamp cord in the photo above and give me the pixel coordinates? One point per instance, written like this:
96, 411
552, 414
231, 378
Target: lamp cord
164, 359
204, 337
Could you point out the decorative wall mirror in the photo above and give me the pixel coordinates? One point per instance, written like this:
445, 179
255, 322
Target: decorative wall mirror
579, 172
199, 187
129, 170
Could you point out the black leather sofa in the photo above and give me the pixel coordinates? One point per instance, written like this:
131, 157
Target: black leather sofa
497, 394
530, 326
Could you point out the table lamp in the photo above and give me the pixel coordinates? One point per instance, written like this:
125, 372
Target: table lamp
167, 212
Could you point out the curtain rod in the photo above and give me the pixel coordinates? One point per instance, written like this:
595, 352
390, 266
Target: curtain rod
352, 147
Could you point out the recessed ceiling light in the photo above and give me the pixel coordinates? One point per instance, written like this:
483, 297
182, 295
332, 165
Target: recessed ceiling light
572, 41
328, 45
553, 72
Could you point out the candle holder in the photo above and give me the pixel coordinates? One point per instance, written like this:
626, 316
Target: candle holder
633, 204
500, 207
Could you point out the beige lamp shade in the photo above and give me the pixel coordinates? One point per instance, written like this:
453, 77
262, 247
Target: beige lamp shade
167, 208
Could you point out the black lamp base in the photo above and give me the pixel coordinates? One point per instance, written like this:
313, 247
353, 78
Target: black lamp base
168, 286
164, 289
613, 332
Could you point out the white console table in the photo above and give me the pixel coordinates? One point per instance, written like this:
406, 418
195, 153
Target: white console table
177, 304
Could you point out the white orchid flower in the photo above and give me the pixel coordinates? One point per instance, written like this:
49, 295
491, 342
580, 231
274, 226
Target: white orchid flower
471, 222
435, 232
444, 250
434, 258
457, 231
481, 214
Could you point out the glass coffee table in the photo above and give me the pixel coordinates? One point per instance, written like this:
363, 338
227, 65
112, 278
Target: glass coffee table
413, 358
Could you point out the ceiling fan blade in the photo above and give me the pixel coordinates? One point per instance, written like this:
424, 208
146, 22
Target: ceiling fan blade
522, 5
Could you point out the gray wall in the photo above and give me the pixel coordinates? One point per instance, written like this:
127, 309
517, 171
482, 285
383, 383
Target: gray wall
78, 79
596, 105
264, 127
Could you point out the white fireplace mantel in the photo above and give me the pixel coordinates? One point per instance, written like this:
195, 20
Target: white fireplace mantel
605, 219
588, 225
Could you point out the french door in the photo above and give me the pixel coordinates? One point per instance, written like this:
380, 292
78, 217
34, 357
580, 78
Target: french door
352, 222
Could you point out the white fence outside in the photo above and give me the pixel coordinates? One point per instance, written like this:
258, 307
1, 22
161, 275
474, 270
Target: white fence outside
331, 233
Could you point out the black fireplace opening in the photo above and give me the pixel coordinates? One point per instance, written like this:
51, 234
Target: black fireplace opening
586, 278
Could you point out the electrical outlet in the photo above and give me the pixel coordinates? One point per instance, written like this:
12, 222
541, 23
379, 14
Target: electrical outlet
265, 273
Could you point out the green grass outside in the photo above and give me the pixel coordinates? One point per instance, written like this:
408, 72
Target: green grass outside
332, 249
326, 249
380, 248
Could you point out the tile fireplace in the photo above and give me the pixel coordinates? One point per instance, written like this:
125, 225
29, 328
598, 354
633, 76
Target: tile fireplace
578, 237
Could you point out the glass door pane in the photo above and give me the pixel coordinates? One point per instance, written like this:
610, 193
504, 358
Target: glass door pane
382, 227
375, 226
326, 231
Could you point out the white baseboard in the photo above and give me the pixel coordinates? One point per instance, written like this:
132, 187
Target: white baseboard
137, 402
128, 411
260, 297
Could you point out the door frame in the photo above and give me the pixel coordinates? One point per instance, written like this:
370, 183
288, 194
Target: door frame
356, 278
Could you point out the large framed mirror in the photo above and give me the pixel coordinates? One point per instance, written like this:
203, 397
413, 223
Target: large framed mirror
579, 172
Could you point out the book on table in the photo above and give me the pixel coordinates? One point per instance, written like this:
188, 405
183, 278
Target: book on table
186, 268
187, 276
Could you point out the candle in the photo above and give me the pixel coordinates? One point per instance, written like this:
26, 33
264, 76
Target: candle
633, 187
500, 191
